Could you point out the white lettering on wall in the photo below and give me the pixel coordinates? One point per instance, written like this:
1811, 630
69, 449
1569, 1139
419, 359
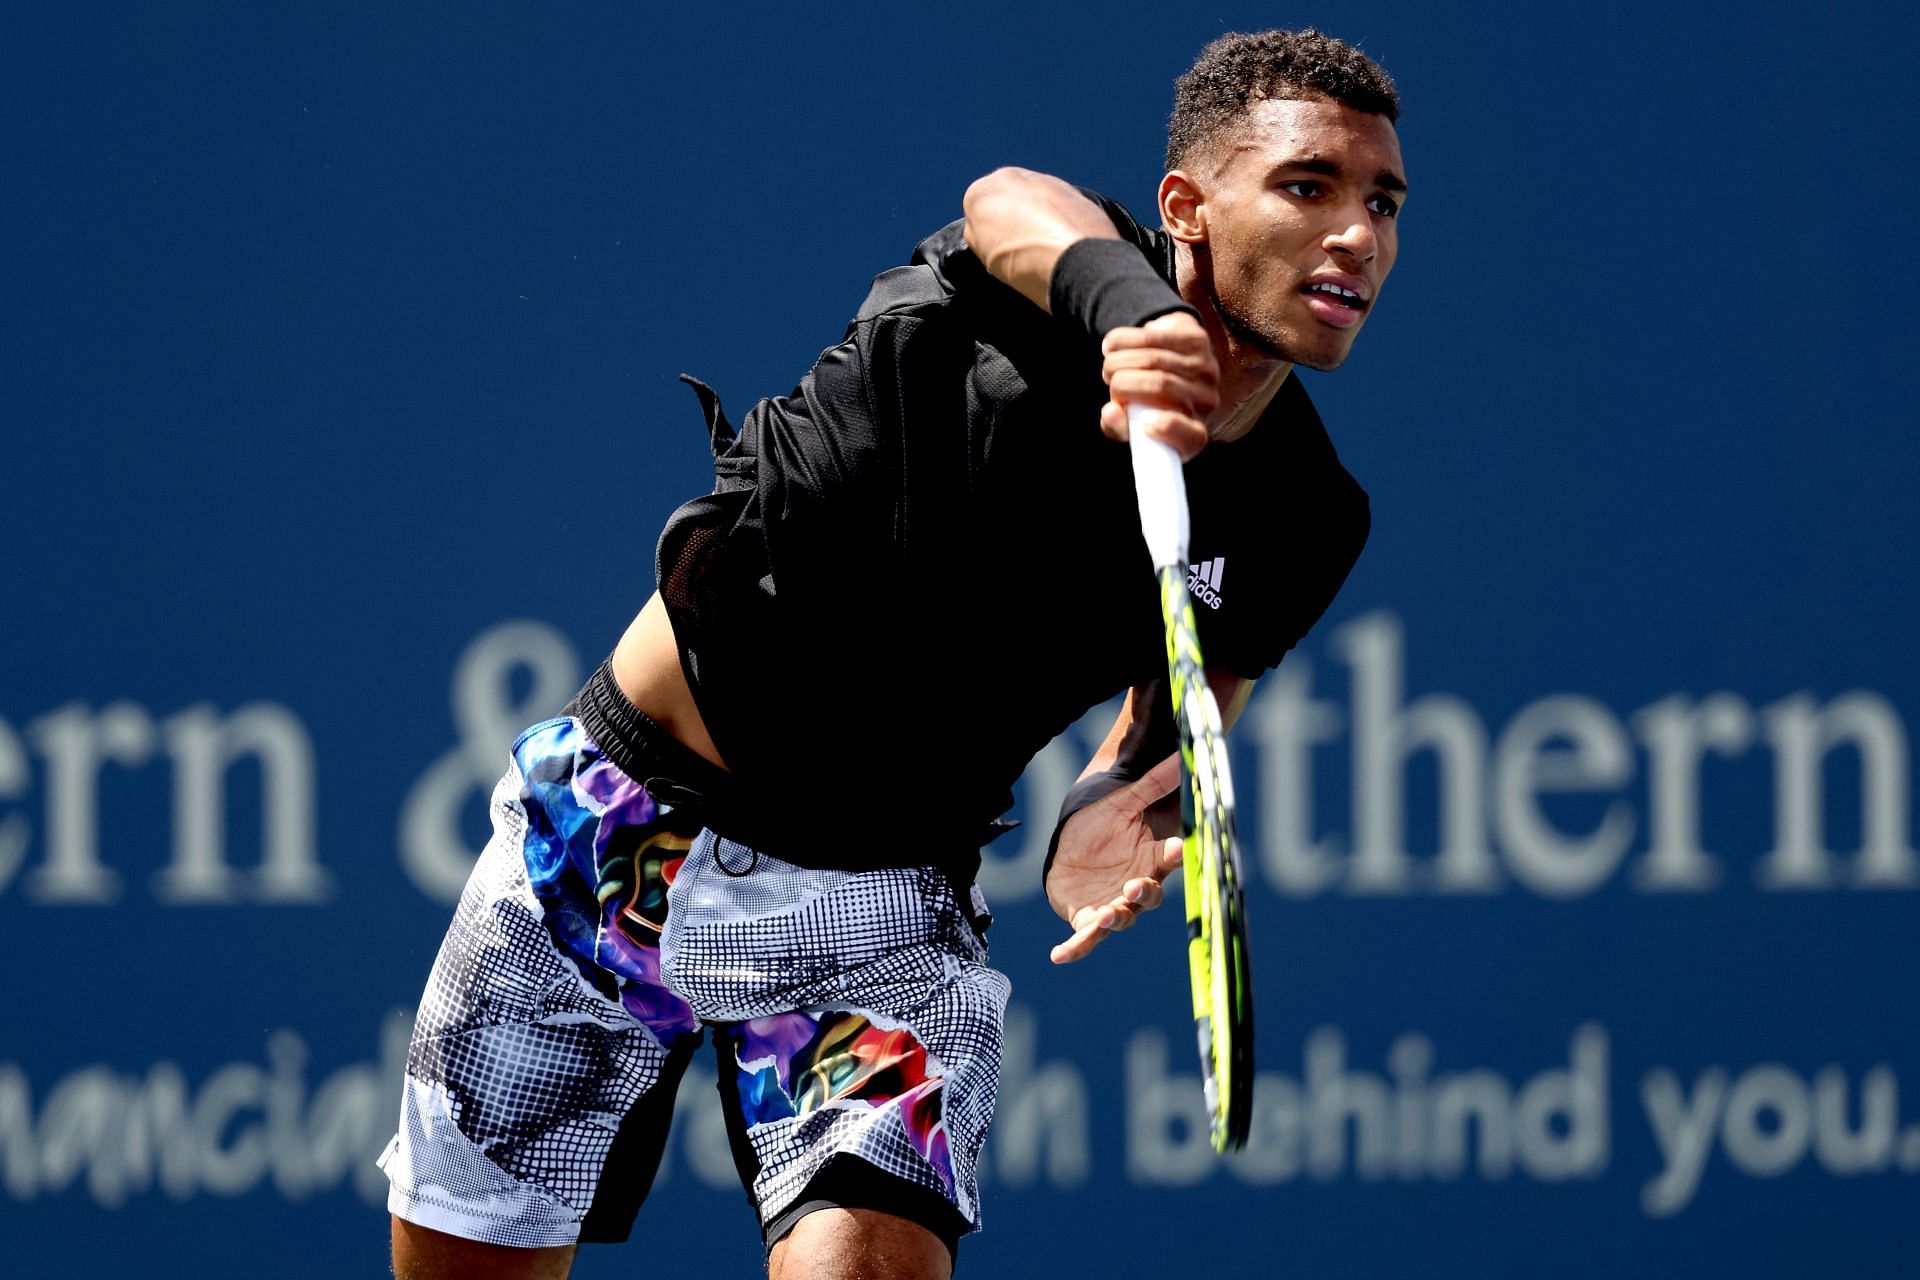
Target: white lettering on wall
1385, 735
1335, 1121
1040, 1126
75, 743
433, 852
1499, 810
246, 1124
1499, 814
204, 745
1678, 734
1167, 1143
1768, 1120
1802, 733
1285, 724
1598, 758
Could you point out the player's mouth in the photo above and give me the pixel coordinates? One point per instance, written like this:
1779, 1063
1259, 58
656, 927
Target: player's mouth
1338, 300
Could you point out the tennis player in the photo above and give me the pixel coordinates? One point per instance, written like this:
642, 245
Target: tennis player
760, 821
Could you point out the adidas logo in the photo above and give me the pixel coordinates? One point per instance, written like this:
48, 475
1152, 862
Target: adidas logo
1203, 580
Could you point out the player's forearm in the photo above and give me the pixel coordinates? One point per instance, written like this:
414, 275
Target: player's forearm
1019, 223
1232, 692
1138, 739
1143, 733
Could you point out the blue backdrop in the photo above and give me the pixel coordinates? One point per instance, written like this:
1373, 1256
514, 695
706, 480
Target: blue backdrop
1585, 898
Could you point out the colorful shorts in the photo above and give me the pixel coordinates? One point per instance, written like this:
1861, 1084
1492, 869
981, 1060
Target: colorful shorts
604, 932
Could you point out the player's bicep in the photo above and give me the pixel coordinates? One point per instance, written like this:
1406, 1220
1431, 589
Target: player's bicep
1019, 222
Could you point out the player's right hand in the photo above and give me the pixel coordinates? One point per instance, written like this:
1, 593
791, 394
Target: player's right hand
1165, 364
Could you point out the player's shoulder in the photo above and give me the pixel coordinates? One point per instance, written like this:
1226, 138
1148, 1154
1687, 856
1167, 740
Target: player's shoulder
944, 267
1288, 463
1152, 241
1292, 428
947, 253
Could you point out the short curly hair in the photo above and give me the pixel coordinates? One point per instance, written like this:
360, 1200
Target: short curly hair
1238, 70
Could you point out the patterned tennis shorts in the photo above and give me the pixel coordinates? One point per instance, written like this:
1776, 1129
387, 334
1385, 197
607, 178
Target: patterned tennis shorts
604, 933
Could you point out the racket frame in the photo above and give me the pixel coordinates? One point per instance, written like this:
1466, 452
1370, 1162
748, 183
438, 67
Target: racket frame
1218, 965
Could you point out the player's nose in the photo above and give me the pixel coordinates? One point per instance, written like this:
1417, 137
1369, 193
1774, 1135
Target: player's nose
1352, 234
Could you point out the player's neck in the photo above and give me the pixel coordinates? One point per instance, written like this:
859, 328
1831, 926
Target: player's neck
1238, 412
1250, 374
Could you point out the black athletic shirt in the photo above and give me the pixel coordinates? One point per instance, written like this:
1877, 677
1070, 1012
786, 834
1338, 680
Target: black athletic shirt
925, 562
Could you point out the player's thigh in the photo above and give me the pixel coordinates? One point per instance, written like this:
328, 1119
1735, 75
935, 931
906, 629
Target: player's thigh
421, 1253
831, 1244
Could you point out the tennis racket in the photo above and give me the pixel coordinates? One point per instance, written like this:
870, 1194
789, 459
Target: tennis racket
1216, 918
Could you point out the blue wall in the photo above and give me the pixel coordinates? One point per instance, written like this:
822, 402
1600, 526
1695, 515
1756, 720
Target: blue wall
1584, 916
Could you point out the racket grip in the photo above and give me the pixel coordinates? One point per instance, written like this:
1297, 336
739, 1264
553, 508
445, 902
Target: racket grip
1161, 489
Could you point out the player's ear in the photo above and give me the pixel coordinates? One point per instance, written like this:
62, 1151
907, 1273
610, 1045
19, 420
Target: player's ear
1183, 207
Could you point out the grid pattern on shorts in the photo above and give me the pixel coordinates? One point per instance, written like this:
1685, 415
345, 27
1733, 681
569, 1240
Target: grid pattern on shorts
892, 945
521, 1071
778, 937
517, 1065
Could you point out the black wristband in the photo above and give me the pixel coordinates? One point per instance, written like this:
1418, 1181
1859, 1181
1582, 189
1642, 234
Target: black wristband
1103, 284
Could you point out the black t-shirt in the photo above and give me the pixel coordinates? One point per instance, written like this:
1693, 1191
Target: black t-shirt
925, 562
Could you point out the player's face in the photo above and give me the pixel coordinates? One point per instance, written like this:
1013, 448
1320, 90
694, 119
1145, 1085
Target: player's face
1301, 202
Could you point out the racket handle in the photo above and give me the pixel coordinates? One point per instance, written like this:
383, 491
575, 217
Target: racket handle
1161, 489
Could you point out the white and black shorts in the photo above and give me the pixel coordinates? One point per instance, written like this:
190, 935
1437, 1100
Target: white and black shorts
604, 933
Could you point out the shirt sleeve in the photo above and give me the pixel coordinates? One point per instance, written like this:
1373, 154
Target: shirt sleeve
952, 262
1153, 242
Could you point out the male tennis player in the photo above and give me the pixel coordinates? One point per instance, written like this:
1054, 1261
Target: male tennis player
761, 818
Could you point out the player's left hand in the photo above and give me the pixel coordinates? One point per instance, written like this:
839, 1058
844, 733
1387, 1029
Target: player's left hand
1108, 866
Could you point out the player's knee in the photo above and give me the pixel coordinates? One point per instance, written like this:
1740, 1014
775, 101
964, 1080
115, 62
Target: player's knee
421, 1253
862, 1243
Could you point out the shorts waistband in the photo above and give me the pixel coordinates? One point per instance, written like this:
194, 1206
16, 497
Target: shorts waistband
673, 772
643, 750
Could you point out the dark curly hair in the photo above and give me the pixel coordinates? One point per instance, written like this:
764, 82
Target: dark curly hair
1238, 70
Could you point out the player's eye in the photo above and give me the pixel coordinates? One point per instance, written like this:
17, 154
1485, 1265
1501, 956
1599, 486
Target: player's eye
1384, 205
1303, 188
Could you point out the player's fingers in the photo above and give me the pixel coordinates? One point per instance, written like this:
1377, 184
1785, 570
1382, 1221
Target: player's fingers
1160, 357
1194, 365
1176, 331
1110, 917
1168, 388
1091, 924
1083, 941
1181, 432
1145, 893
1185, 434
1172, 853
